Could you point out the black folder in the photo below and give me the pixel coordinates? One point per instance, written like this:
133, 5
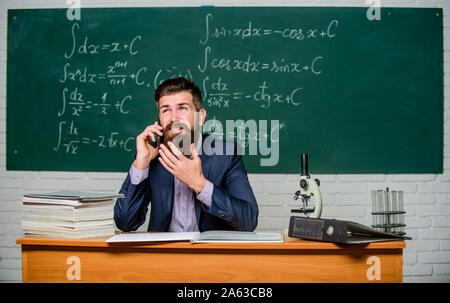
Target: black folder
338, 231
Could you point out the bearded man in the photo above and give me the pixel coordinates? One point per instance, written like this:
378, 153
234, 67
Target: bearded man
187, 189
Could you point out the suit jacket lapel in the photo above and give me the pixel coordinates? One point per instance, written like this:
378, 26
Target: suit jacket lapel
206, 165
206, 160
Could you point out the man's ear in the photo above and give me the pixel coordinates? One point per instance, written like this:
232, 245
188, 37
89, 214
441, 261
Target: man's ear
201, 116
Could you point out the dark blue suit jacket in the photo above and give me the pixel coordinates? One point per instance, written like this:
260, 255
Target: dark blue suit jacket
233, 205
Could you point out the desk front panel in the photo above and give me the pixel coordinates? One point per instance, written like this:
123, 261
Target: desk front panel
184, 265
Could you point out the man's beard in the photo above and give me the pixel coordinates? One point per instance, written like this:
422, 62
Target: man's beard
182, 140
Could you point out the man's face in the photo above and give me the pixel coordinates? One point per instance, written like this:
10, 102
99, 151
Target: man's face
176, 115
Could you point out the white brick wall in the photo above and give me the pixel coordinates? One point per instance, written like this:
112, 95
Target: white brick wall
427, 197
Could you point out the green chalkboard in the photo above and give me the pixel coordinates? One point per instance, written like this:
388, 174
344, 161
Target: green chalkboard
357, 95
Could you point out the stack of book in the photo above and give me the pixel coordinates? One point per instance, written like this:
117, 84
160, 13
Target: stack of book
68, 214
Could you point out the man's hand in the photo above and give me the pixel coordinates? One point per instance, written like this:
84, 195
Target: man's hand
188, 171
144, 151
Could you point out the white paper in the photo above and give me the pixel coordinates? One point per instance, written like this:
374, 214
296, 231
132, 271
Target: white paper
152, 237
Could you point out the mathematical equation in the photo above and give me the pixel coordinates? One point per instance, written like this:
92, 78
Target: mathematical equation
249, 65
85, 48
70, 138
110, 76
251, 31
76, 101
218, 94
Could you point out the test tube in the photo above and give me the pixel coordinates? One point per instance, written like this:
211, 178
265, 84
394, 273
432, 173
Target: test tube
395, 218
401, 207
374, 207
387, 200
387, 208
380, 208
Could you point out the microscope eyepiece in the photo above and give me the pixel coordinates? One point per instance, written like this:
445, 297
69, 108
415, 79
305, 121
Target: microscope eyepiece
304, 164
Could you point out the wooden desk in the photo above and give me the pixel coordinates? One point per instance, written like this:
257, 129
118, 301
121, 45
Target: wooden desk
94, 260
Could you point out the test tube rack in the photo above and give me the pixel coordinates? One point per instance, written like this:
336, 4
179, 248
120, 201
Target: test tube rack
388, 212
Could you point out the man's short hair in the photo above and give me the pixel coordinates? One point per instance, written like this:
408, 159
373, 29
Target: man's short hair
176, 85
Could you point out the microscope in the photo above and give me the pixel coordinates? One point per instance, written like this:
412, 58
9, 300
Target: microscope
309, 188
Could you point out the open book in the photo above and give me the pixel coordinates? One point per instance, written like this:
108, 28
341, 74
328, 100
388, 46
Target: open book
213, 236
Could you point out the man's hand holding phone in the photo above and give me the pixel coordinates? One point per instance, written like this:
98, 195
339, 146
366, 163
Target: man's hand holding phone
145, 152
